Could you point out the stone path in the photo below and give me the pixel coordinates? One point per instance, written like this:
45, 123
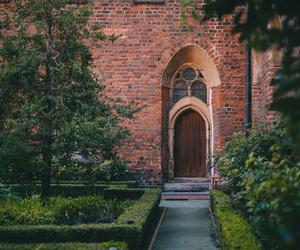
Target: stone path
186, 226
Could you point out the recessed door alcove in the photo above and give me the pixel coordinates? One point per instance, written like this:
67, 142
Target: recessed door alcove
187, 113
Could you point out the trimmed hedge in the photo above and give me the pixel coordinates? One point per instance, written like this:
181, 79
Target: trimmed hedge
130, 227
67, 190
234, 231
119, 193
71, 188
66, 246
129, 184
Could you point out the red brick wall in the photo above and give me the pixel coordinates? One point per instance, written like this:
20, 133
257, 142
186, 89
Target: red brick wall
264, 68
132, 67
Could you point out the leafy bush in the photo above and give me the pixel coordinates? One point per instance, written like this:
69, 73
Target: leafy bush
235, 232
83, 210
262, 171
66, 246
232, 160
114, 169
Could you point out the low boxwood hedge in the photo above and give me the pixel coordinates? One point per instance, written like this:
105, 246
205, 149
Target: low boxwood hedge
130, 227
67, 190
63, 189
65, 246
119, 193
129, 184
71, 188
234, 231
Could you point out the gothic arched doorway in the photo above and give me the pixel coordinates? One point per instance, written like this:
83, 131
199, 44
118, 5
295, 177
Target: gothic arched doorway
190, 145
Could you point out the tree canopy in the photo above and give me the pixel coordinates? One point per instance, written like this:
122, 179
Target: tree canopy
51, 103
257, 25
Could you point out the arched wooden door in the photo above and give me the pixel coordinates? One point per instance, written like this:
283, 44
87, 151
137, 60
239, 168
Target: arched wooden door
190, 145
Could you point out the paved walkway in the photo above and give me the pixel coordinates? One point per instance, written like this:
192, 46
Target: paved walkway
186, 226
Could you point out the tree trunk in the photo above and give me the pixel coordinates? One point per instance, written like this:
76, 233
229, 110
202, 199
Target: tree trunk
45, 192
46, 179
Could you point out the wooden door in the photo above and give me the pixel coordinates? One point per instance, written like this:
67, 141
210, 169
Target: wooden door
190, 145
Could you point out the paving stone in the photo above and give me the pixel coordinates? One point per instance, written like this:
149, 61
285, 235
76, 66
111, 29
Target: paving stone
186, 225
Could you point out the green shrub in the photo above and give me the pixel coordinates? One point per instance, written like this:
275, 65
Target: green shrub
262, 171
113, 169
235, 232
232, 159
58, 210
66, 246
130, 227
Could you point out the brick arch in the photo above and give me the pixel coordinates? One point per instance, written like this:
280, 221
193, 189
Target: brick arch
200, 42
208, 61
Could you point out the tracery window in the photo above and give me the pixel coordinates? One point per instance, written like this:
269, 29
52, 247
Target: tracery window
189, 82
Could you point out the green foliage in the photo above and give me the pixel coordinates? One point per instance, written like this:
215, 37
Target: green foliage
190, 10
118, 245
16, 160
50, 99
232, 160
235, 231
114, 169
263, 176
87, 210
66, 246
25, 212
61, 211
260, 30
130, 227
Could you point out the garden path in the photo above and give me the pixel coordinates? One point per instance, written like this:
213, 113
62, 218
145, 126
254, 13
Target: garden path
186, 226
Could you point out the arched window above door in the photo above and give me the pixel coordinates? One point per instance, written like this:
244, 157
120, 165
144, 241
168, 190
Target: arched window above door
189, 81
199, 90
180, 90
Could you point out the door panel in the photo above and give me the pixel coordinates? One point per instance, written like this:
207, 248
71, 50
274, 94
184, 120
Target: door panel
190, 145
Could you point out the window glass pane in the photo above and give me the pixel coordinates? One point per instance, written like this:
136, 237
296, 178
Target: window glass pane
199, 90
180, 90
189, 74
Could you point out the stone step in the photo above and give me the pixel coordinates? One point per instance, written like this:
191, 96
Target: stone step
181, 187
190, 180
185, 195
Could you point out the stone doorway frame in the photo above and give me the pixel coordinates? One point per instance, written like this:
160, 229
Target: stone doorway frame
188, 103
